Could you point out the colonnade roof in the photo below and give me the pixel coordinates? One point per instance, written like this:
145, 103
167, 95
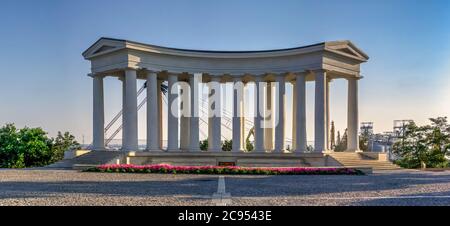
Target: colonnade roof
340, 58
101, 47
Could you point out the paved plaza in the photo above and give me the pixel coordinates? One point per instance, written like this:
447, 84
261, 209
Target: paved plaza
69, 187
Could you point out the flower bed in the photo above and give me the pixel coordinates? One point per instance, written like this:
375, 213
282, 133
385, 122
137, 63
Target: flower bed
169, 169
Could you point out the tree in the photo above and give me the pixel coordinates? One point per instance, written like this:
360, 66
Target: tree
412, 147
439, 137
342, 145
424, 146
9, 143
364, 139
35, 146
62, 143
332, 142
338, 139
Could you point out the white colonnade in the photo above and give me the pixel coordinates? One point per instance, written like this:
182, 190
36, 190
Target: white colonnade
320, 63
188, 126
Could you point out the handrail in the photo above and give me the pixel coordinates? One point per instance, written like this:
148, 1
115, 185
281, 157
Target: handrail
118, 115
141, 104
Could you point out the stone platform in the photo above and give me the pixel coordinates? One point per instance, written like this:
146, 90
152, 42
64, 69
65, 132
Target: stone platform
372, 160
229, 158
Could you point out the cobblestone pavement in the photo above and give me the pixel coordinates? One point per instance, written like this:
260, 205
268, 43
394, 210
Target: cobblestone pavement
68, 187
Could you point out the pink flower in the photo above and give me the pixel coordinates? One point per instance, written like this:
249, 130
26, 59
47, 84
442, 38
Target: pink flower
207, 169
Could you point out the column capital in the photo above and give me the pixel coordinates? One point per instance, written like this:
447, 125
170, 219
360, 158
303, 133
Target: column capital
280, 77
275, 75
237, 79
172, 74
191, 75
258, 78
94, 75
130, 69
354, 78
151, 72
318, 71
302, 73
216, 78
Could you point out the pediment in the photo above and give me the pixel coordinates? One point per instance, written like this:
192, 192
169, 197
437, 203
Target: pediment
346, 48
103, 46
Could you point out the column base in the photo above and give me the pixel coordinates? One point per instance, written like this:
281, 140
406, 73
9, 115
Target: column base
321, 151
357, 150
189, 150
153, 150
237, 151
259, 151
214, 150
194, 150
129, 149
172, 150
300, 151
98, 149
279, 151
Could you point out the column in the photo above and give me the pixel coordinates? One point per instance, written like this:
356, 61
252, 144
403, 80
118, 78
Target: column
328, 113
238, 115
173, 113
279, 125
294, 116
124, 125
259, 131
300, 116
185, 116
214, 124
352, 115
130, 118
243, 121
194, 142
160, 115
152, 112
320, 112
268, 116
98, 126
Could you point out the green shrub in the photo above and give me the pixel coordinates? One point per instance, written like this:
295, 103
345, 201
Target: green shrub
227, 145
31, 147
204, 145
249, 146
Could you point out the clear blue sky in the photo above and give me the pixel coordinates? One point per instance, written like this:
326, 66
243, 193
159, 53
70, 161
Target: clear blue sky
44, 80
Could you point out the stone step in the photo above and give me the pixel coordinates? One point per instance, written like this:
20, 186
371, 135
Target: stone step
91, 158
358, 160
375, 167
368, 161
388, 166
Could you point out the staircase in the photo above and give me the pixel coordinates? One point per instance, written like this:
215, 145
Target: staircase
352, 159
92, 158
